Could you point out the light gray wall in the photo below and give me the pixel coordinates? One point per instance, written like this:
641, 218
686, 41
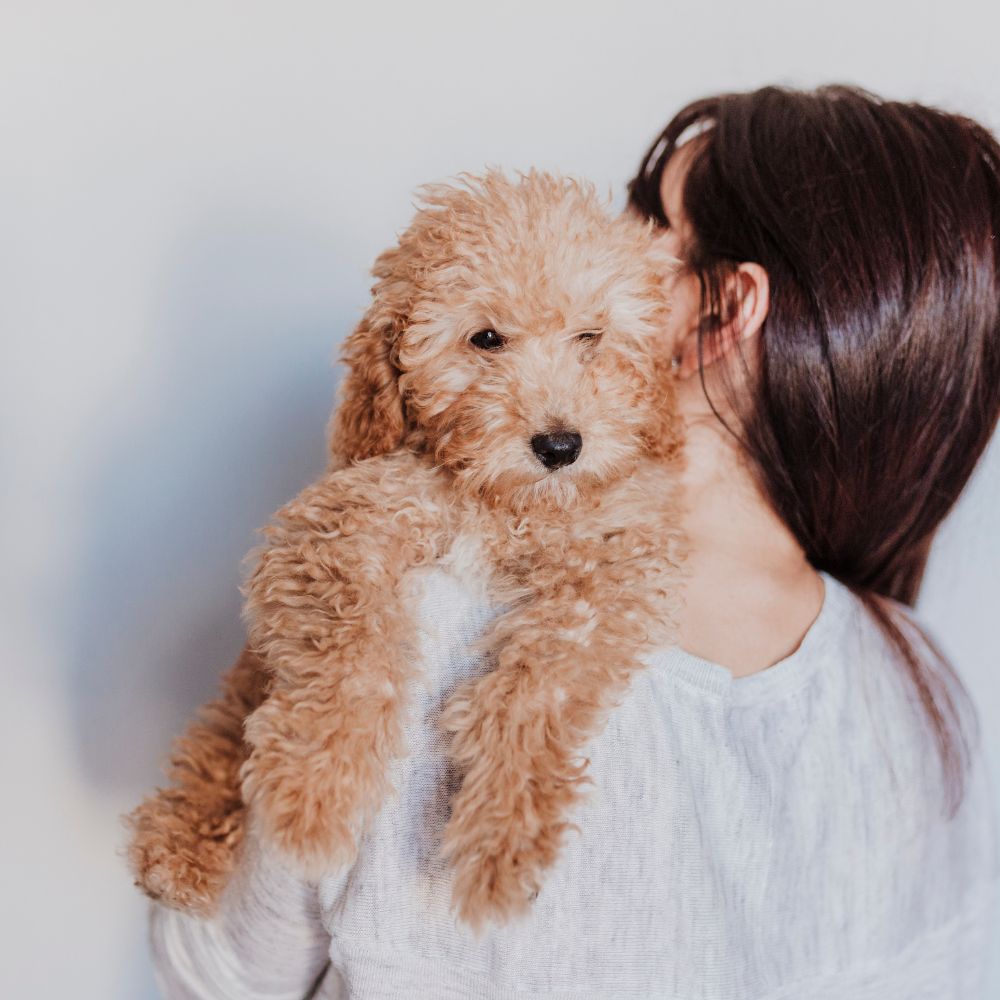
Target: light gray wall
191, 195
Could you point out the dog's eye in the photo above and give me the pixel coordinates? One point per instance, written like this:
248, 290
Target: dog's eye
488, 340
588, 336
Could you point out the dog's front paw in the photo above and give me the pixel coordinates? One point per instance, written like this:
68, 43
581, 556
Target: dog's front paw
508, 819
504, 833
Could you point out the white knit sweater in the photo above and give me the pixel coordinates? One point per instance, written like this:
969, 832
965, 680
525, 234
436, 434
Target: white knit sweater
773, 837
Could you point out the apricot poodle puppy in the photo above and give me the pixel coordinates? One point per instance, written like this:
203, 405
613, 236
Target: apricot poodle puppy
508, 388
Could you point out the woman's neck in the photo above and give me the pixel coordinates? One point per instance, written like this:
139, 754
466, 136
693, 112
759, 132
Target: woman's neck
750, 595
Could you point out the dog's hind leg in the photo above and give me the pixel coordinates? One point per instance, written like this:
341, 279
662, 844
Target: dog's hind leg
324, 608
184, 838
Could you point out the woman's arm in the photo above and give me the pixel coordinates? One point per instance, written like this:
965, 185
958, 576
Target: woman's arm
265, 942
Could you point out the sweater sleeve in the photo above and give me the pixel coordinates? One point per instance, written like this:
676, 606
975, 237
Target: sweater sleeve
266, 941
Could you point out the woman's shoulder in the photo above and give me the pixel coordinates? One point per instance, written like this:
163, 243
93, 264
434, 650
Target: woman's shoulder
844, 703
896, 716
843, 719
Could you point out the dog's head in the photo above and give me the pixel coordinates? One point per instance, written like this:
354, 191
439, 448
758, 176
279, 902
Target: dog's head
516, 337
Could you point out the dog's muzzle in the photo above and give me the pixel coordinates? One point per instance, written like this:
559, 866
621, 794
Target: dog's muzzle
557, 450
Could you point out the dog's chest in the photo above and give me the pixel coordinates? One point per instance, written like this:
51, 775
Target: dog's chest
451, 604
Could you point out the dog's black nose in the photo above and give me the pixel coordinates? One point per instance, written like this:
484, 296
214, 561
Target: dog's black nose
556, 450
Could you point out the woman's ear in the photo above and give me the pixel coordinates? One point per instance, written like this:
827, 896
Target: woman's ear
370, 417
747, 292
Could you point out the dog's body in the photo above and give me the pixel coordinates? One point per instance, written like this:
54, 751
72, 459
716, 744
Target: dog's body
507, 387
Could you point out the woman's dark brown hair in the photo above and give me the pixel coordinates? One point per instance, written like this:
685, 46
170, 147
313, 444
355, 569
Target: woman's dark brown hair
878, 373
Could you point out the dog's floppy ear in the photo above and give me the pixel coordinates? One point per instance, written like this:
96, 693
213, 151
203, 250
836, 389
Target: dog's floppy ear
370, 417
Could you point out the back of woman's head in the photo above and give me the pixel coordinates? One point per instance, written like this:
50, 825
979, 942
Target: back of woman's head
877, 378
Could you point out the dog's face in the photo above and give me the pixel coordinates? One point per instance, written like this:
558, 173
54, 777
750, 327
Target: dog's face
516, 337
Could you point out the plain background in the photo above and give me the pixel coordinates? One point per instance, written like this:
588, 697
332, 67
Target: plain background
191, 195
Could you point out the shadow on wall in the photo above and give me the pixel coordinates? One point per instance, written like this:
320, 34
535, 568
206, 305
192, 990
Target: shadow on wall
243, 345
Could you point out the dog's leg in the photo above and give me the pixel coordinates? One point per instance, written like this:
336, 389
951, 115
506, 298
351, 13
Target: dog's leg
185, 838
324, 609
598, 597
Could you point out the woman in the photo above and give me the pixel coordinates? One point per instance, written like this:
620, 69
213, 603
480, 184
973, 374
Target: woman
792, 802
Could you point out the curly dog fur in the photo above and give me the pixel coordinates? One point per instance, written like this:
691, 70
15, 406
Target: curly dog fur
510, 316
